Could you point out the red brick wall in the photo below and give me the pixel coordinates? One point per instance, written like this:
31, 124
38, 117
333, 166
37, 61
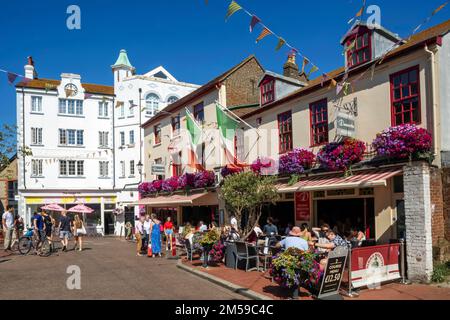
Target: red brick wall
242, 85
446, 200
437, 222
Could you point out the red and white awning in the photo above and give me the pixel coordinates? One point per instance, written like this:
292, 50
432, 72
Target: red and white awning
359, 179
171, 201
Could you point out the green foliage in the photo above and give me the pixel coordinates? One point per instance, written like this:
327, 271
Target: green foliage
294, 179
441, 272
248, 192
210, 238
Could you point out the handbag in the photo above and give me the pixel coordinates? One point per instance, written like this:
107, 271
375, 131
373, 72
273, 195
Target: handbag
81, 230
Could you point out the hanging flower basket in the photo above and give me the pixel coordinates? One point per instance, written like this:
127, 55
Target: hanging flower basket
296, 162
404, 142
228, 171
170, 185
264, 166
342, 155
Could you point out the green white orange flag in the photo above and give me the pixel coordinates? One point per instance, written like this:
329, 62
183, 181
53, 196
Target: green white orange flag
195, 139
227, 130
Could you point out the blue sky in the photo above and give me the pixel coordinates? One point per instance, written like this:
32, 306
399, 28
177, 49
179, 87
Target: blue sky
189, 38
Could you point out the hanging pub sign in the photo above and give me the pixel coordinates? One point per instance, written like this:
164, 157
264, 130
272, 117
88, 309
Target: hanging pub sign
334, 271
345, 125
302, 206
158, 169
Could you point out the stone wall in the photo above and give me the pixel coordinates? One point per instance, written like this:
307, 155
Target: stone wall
437, 206
446, 201
418, 211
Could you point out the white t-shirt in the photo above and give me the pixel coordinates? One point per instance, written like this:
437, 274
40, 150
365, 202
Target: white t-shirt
9, 219
258, 231
234, 222
147, 225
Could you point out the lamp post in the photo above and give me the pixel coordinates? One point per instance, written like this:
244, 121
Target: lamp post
140, 167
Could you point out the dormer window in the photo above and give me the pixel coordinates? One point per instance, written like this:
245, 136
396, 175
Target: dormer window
359, 48
267, 91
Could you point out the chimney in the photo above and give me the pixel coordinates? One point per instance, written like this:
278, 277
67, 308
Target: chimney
30, 72
291, 70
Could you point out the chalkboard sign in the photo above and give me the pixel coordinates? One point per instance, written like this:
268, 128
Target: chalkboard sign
334, 271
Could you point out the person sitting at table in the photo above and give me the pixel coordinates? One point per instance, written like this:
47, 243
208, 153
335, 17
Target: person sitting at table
255, 234
233, 235
202, 227
306, 234
294, 240
334, 242
356, 237
321, 235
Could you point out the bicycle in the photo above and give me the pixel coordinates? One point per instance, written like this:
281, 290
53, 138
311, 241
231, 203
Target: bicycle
30, 241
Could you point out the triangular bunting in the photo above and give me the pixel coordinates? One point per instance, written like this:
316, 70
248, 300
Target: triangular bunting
305, 63
440, 8
281, 43
11, 77
232, 9
313, 69
87, 95
324, 78
255, 20
263, 34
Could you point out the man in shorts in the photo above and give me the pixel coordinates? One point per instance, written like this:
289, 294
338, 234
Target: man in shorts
65, 229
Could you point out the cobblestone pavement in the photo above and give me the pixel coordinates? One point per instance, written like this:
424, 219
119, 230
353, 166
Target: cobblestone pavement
110, 269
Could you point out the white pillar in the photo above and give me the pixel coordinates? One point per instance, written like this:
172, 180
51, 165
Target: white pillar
419, 242
102, 213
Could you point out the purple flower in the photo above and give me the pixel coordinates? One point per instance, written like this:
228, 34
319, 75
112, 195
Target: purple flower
296, 162
170, 185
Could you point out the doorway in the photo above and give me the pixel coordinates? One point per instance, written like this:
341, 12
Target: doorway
109, 223
344, 214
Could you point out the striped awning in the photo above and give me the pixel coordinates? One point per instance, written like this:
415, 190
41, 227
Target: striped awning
359, 179
171, 201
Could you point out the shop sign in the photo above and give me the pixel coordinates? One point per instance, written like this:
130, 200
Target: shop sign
373, 265
158, 169
345, 125
302, 206
334, 271
70, 200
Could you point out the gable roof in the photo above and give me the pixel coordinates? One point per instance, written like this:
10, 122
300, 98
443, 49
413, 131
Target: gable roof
199, 92
88, 87
429, 36
282, 78
159, 70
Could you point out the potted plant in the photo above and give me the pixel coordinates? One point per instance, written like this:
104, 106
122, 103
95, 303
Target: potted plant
294, 268
207, 241
336, 156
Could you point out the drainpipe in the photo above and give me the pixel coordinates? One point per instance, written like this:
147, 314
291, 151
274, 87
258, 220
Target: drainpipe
23, 138
114, 143
433, 98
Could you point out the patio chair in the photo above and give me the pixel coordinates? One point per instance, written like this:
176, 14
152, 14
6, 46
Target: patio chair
189, 250
243, 253
265, 254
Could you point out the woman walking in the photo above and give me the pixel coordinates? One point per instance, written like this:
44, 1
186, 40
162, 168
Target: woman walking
80, 231
168, 231
155, 232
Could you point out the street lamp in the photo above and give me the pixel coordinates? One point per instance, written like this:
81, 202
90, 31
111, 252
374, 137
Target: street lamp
139, 167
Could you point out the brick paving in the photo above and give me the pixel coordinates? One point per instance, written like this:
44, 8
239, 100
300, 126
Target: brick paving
110, 269
260, 282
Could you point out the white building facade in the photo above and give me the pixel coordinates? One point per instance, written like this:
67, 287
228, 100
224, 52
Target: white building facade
84, 141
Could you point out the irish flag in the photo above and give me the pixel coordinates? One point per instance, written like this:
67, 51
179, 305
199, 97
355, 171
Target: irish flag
227, 130
194, 143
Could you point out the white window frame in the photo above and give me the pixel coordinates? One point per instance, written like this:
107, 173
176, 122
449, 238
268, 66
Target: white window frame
131, 137
131, 111
71, 168
36, 168
103, 139
36, 136
152, 102
132, 168
122, 169
103, 109
36, 104
71, 107
104, 169
122, 138
65, 135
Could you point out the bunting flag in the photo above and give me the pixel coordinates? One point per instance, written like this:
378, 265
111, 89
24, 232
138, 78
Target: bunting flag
195, 138
442, 6
324, 78
305, 63
264, 33
11, 77
232, 9
49, 86
333, 83
346, 88
255, 20
120, 104
87, 95
339, 88
361, 11
69, 92
313, 69
281, 43
227, 130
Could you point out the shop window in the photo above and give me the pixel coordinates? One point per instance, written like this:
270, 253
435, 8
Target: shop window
398, 184
319, 122
289, 196
360, 48
267, 91
405, 97
319, 194
366, 192
285, 132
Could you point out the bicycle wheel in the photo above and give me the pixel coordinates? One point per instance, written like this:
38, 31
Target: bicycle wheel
24, 246
46, 249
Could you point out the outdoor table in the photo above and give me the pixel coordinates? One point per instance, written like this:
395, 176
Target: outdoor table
230, 255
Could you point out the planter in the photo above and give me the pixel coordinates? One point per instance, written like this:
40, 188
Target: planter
293, 292
206, 250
